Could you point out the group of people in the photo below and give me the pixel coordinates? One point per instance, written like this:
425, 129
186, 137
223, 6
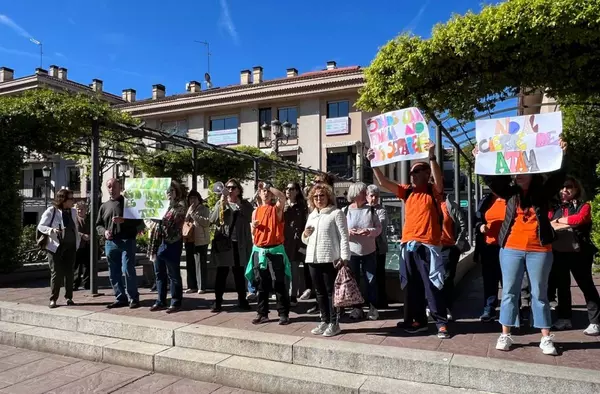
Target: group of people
290, 244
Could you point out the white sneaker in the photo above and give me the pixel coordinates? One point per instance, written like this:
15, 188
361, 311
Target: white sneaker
332, 330
306, 295
273, 297
449, 314
428, 312
320, 329
373, 313
356, 314
53, 304
547, 346
563, 324
504, 342
592, 330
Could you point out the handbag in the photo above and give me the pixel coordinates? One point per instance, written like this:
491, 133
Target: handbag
188, 231
222, 242
346, 292
566, 241
42, 239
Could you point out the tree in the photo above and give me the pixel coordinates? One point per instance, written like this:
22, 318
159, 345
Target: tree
44, 122
475, 59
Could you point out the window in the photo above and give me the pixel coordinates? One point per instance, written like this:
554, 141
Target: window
341, 163
175, 127
74, 179
338, 109
288, 115
223, 123
264, 116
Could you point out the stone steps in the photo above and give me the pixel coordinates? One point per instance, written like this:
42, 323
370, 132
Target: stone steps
232, 355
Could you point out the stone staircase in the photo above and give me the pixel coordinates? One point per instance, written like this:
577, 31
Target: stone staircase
274, 363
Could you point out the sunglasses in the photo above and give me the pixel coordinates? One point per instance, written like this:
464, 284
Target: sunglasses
318, 196
231, 187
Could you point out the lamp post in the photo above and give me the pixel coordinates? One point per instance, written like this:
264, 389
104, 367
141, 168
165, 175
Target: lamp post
123, 169
277, 134
46, 173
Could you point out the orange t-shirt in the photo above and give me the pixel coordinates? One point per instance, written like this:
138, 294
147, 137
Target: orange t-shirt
421, 221
448, 236
524, 233
494, 217
269, 231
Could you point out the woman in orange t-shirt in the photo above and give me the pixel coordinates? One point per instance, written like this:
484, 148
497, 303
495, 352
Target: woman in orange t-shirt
525, 238
490, 215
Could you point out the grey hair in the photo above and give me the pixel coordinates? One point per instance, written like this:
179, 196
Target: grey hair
355, 190
373, 189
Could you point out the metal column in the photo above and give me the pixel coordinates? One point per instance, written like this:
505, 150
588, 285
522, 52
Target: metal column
470, 205
439, 147
303, 180
195, 169
256, 174
94, 207
405, 180
477, 191
456, 176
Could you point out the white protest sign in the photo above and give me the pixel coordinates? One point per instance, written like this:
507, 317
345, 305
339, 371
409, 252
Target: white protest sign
397, 136
519, 145
146, 198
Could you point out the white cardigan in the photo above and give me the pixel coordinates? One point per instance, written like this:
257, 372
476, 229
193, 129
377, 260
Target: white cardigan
45, 227
329, 240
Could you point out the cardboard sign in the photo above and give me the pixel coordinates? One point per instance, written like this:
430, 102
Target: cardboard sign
146, 198
398, 136
527, 144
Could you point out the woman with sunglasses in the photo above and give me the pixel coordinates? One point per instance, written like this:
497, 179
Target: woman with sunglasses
59, 228
232, 242
327, 244
573, 218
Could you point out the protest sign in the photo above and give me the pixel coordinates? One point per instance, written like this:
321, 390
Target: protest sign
146, 198
398, 136
527, 144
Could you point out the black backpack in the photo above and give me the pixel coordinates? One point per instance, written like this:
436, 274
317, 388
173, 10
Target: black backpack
436, 203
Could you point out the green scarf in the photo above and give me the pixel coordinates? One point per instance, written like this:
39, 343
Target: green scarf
262, 261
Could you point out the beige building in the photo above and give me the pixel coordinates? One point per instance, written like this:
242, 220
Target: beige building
63, 173
327, 131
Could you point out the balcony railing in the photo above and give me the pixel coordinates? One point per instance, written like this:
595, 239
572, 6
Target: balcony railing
38, 191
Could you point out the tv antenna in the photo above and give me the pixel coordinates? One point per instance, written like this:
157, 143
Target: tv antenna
39, 43
207, 53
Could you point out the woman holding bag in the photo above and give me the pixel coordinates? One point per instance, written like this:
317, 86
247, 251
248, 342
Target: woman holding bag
196, 235
326, 239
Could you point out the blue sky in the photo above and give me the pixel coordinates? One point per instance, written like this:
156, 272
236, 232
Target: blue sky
135, 44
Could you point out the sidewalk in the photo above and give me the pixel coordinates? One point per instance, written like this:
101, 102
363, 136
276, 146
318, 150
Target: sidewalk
30, 372
470, 337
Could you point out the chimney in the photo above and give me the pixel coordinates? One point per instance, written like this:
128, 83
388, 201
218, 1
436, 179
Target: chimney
62, 73
6, 74
40, 71
53, 71
331, 65
257, 74
292, 72
97, 85
158, 91
194, 86
128, 95
245, 77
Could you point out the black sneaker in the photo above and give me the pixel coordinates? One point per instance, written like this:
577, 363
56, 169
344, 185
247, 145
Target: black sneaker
134, 304
216, 308
116, 304
416, 328
173, 309
443, 333
487, 316
284, 320
70, 302
156, 307
260, 319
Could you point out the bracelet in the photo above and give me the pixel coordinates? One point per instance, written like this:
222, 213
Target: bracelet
432, 158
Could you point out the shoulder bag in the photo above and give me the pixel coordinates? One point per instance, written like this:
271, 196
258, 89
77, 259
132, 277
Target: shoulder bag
42, 239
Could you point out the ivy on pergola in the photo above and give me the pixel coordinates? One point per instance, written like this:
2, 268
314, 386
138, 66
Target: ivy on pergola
474, 60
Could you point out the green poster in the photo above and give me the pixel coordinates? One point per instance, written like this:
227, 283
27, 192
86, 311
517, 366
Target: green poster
146, 198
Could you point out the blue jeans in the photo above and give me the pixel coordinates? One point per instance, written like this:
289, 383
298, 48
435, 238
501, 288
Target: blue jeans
513, 263
366, 267
167, 265
120, 254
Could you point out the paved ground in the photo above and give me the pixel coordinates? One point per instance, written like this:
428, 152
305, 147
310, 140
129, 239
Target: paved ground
28, 372
470, 337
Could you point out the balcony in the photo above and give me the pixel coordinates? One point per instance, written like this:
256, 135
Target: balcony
37, 191
342, 171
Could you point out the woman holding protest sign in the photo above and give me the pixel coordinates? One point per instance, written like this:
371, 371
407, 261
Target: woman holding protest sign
525, 239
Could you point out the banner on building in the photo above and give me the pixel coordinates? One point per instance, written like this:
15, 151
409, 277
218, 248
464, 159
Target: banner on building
146, 198
527, 144
337, 126
398, 136
223, 137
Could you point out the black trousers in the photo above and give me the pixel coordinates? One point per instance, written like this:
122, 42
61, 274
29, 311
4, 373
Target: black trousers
61, 265
238, 277
382, 301
271, 280
82, 268
190, 266
580, 265
323, 276
450, 255
308, 282
492, 275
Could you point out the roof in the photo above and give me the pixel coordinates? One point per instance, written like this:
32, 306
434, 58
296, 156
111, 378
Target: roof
238, 87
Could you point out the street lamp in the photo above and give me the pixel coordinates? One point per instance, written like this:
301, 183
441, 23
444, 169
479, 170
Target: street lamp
123, 169
46, 173
277, 134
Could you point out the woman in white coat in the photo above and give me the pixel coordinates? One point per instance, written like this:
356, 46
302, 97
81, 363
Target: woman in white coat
326, 239
59, 226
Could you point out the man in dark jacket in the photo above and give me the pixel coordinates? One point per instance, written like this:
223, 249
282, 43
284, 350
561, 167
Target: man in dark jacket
120, 246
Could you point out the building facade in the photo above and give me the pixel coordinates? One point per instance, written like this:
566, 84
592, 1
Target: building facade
35, 189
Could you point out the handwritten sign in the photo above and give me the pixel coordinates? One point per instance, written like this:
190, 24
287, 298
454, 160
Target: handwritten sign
146, 198
398, 136
520, 145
